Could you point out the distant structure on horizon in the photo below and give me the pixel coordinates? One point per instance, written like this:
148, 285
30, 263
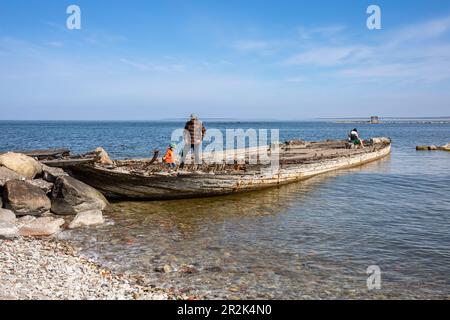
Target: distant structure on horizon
374, 120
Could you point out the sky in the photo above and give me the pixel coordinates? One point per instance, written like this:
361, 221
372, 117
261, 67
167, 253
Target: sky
252, 59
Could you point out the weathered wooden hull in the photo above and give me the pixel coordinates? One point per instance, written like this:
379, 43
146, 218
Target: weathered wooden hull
121, 185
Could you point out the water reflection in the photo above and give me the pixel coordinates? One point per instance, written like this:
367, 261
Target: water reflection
302, 240
312, 239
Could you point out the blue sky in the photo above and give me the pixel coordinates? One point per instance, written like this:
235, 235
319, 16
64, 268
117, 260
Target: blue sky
139, 60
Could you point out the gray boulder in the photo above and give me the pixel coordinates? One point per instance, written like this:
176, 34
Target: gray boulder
42, 184
44, 226
7, 174
50, 174
71, 196
8, 230
25, 199
7, 216
87, 218
21, 164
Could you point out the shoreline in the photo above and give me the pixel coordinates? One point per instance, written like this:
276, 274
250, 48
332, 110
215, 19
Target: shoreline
51, 269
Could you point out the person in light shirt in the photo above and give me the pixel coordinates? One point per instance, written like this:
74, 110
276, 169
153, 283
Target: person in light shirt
353, 137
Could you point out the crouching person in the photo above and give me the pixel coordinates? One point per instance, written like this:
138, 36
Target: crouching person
354, 139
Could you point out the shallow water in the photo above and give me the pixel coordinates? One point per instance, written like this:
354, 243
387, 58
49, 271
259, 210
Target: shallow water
313, 239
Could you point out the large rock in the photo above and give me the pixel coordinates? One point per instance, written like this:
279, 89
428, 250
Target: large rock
8, 230
7, 216
7, 174
71, 196
101, 156
21, 164
50, 174
42, 184
45, 226
87, 218
25, 199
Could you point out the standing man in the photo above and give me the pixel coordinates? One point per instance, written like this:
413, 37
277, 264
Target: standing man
194, 131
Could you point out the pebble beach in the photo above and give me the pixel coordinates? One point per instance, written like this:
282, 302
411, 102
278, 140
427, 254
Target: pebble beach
48, 269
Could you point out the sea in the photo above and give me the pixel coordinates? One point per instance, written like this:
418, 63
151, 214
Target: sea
379, 231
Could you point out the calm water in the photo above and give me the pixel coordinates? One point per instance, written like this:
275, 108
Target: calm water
313, 239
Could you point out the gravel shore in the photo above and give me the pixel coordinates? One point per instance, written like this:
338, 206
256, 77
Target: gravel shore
50, 269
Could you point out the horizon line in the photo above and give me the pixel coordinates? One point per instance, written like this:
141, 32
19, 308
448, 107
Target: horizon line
231, 119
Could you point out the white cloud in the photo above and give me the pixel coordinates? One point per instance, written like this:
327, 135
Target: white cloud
56, 44
153, 67
296, 79
324, 31
103, 38
417, 54
251, 45
41, 75
329, 56
428, 30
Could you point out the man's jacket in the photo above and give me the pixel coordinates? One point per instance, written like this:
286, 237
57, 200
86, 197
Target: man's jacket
194, 131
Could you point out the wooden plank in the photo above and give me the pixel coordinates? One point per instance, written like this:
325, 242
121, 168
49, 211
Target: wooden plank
44, 153
65, 163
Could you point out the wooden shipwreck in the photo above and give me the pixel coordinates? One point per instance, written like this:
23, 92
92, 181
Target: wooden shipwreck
145, 179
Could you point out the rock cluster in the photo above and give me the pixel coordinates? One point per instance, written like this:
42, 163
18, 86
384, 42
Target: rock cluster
445, 147
36, 200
